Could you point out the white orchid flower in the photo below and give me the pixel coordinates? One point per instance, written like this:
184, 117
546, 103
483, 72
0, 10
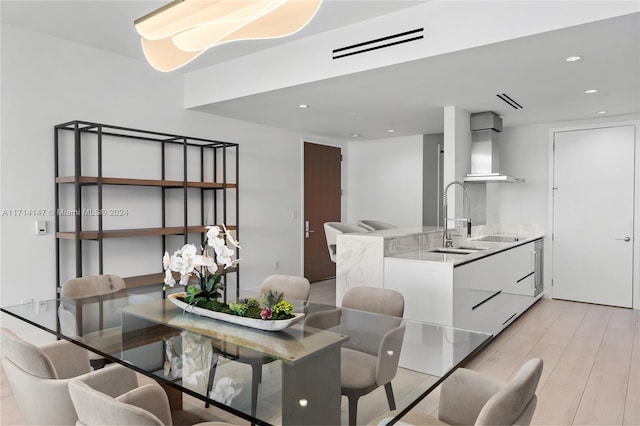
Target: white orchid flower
201, 260
188, 262
207, 262
168, 278
184, 279
224, 256
180, 264
204, 261
212, 232
233, 262
217, 244
188, 252
232, 240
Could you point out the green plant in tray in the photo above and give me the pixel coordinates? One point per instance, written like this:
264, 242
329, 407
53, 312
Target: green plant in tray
207, 292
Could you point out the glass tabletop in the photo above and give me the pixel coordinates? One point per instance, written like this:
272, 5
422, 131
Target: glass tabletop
268, 377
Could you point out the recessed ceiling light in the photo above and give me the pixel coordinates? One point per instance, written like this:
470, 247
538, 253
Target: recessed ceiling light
303, 106
591, 91
602, 112
390, 131
355, 135
573, 58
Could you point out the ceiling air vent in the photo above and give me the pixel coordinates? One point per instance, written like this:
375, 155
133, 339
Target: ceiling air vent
506, 98
379, 43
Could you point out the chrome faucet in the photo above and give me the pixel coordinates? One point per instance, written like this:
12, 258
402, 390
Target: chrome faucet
446, 238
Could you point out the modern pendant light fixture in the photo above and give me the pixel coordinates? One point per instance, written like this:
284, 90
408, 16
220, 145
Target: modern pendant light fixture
177, 33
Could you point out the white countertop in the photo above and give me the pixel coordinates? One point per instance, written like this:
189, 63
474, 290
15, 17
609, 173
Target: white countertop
428, 255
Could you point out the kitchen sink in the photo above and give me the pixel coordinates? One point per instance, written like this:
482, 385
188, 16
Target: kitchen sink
451, 251
459, 250
472, 248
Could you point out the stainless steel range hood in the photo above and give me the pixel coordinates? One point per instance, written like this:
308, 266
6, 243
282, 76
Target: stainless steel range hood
485, 150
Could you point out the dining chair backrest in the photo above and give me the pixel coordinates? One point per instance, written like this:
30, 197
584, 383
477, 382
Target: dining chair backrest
26, 356
469, 397
94, 285
96, 408
84, 288
38, 377
516, 403
374, 299
366, 331
292, 287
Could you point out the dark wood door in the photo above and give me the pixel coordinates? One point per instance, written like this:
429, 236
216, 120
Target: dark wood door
322, 178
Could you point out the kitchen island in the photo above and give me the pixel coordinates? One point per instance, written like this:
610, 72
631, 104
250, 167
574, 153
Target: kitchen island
482, 286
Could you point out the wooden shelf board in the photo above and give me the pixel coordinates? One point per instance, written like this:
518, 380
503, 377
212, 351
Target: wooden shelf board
136, 232
144, 280
93, 180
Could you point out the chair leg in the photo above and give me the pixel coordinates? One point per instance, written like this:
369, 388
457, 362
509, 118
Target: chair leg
390, 399
212, 375
256, 378
353, 410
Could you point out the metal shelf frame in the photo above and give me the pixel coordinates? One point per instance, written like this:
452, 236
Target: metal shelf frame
218, 149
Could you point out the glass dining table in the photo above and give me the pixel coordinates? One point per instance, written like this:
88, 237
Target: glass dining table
299, 368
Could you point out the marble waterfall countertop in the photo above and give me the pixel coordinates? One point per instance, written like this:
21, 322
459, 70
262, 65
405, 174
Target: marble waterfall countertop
360, 256
482, 249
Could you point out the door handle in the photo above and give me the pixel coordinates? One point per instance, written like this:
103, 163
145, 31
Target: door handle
625, 239
307, 231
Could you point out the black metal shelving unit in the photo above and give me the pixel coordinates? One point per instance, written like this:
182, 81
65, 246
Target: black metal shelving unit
82, 134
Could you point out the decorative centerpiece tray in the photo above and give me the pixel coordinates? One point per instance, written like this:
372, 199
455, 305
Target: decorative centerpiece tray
260, 324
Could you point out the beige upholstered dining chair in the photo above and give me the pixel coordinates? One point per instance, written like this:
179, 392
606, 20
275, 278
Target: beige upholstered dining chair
470, 398
331, 231
375, 225
92, 289
370, 358
293, 288
39, 378
139, 406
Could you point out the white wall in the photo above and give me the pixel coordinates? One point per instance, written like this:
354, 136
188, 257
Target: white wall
47, 81
385, 180
525, 153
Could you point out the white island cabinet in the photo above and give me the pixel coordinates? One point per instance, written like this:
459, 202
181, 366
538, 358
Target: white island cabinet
480, 292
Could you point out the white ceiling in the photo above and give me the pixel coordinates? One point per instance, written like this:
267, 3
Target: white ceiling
408, 97
108, 24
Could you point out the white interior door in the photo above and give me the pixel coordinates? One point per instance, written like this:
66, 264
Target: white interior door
593, 180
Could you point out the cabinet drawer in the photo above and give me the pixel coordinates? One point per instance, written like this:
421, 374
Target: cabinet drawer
524, 286
488, 314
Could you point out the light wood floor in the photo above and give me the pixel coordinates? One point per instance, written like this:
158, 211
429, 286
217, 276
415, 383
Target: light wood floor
591, 357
